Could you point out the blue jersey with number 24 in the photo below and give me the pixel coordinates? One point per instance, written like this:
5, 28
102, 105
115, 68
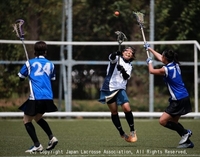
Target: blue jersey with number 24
40, 72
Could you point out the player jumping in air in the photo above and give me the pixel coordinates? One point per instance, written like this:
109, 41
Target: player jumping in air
40, 72
179, 101
113, 91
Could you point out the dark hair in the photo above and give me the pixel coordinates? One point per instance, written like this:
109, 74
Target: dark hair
133, 52
170, 55
40, 48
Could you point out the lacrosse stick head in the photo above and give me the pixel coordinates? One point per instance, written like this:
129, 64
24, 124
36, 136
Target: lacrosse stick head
18, 28
140, 17
120, 36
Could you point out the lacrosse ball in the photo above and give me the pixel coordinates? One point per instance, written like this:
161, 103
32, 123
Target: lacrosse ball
116, 13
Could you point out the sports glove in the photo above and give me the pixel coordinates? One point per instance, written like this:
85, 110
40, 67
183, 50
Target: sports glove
146, 46
119, 53
114, 54
149, 60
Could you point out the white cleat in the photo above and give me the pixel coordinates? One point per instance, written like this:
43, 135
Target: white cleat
186, 145
185, 137
35, 149
52, 143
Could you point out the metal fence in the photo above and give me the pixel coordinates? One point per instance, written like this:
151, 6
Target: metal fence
70, 62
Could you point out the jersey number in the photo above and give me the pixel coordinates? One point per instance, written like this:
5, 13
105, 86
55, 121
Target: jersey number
176, 69
40, 70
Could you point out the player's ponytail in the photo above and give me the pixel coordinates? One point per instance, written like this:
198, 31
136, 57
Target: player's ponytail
176, 58
171, 56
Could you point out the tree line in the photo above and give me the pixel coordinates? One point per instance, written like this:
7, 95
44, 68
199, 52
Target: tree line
95, 21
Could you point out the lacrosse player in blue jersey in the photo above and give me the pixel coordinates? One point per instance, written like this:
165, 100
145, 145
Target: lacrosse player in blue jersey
179, 102
113, 91
40, 72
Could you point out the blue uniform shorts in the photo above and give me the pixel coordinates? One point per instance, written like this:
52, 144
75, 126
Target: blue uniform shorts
118, 96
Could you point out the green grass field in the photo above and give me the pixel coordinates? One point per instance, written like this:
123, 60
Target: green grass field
98, 137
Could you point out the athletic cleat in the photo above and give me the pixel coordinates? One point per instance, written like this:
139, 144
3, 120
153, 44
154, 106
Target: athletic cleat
132, 137
186, 145
35, 149
185, 137
52, 143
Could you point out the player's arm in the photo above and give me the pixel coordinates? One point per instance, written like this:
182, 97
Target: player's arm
21, 77
123, 72
53, 73
155, 53
160, 71
23, 73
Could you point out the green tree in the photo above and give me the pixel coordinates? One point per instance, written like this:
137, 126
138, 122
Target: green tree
178, 20
93, 21
42, 22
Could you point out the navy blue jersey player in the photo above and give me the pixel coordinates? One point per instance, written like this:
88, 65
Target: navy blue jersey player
40, 72
179, 101
113, 91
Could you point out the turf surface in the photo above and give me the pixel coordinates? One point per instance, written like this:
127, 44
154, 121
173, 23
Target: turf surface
98, 137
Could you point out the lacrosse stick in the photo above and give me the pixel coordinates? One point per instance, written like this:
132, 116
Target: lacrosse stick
140, 19
120, 38
18, 29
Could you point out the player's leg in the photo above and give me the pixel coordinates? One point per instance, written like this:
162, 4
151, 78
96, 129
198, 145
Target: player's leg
115, 117
45, 126
185, 131
175, 120
123, 100
130, 120
32, 133
188, 143
128, 115
185, 142
170, 122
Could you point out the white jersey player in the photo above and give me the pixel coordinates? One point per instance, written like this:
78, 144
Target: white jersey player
113, 91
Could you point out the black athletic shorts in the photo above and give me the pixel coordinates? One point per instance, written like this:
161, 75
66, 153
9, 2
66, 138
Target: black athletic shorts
33, 107
179, 107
